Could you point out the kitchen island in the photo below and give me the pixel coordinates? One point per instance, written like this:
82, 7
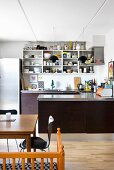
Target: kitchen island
81, 113
29, 98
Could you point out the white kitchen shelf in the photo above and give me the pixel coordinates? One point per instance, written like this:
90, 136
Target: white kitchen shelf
63, 56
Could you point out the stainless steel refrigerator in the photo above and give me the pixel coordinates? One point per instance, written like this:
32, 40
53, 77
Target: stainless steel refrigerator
10, 83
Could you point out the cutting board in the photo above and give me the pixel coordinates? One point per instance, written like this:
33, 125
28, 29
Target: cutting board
77, 80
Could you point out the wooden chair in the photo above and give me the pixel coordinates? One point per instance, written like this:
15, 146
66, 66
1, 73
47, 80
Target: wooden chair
13, 112
39, 143
56, 158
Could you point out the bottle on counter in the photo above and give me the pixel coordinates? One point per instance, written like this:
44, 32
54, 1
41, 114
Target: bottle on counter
86, 86
94, 86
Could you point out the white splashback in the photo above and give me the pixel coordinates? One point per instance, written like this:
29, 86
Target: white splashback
61, 81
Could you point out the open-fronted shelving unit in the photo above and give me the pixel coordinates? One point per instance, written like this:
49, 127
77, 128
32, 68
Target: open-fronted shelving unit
34, 61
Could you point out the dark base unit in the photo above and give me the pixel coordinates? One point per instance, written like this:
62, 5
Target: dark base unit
29, 103
77, 116
64, 114
100, 117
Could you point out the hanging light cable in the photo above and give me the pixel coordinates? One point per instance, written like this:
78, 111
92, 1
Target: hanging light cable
91, 20
27, 20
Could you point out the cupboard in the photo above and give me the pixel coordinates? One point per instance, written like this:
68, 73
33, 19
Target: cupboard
77, 116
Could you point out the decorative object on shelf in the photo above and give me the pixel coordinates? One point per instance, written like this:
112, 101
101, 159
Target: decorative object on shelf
70, 45
26, 70
80, 70
33, 78
58, 47
91, 69
65, 46
26, 63
53, 58
82, 47
34, 85
82, 59
68, 55
111, 70
64, 54
77, 46
74, 46
55, 47
37, 70
85, 70
26, 56
47, 55
41, 84
51, 48
69, 70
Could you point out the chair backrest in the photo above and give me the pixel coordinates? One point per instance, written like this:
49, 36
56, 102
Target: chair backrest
50, 122
13, 111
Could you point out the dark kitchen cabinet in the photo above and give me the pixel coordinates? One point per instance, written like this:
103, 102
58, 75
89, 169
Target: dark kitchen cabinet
29, 104
66, 115
100, 117
98, 55
77, 116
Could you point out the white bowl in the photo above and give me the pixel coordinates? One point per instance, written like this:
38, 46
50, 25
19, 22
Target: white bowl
47, 55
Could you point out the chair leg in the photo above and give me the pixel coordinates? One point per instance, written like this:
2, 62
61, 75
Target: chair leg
48, 151
7, 145
8, 149
17, 145
45, 151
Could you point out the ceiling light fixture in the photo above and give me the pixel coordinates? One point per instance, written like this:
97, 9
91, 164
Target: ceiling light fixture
94, 16
27, 20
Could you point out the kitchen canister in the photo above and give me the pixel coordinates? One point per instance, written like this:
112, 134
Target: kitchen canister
78, 47
68, 55
85, 70
74, 46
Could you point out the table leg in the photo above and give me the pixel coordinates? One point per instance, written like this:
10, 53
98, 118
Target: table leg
34, 135
28, 143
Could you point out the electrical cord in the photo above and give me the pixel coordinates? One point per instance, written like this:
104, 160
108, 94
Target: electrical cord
26, 17
93, 17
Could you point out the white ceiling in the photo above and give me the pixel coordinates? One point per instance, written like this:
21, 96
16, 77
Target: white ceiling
54, 20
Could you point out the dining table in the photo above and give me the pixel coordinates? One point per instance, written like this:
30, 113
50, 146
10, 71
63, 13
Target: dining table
19, 127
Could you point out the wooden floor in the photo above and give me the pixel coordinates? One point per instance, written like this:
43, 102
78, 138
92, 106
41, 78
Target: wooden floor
81, 154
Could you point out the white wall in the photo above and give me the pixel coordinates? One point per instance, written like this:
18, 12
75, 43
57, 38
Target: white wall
109, 51
11, 49
102, 71
15, 50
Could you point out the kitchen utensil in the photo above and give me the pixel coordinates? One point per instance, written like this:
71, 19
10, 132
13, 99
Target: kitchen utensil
77, 80
80, 87
53, 58
47, 55
82, 59
69, 71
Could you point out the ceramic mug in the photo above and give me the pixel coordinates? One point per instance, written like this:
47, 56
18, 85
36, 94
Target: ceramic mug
8, 116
